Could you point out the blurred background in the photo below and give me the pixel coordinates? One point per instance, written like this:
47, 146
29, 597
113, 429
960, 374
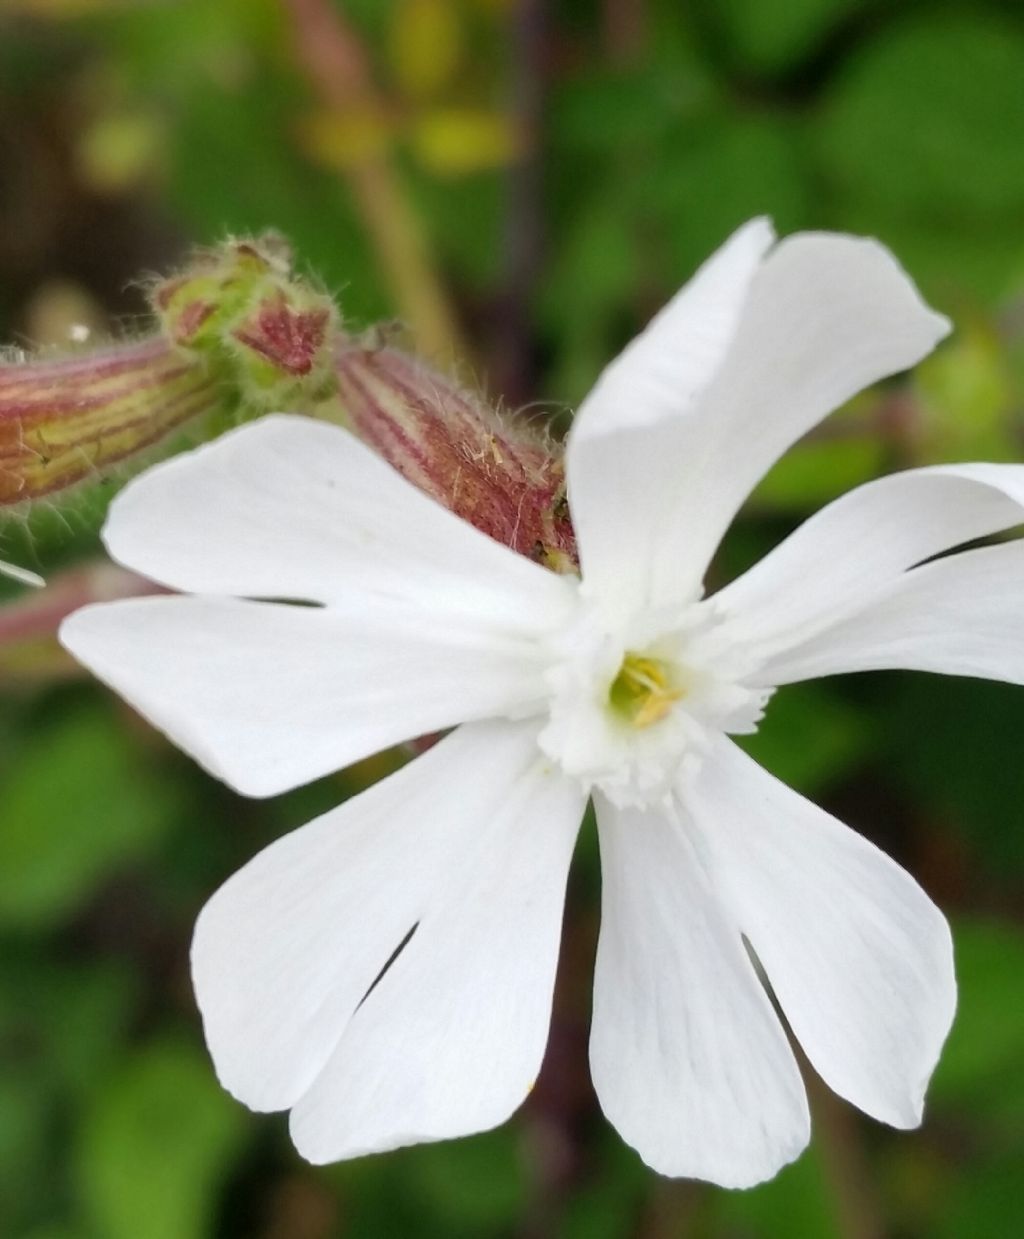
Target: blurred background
521, 184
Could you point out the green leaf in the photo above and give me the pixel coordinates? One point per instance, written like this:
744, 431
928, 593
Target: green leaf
592, 276
25, 1119
72, 1018
169, 50
927, 120
606, 111
608, 1203
770, 37
983, 1201
56, 1232
980, 1069
967, 402
471, 1187
461, 1189
80, 801
466, 215
714, 175
61, 1026
153, 1148
819, 470
796, 1203
954, 744
808, 737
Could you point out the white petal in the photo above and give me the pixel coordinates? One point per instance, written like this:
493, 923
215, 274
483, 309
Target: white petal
469, 845
287, 507
658, 374
625, 450
689, 1060
842, 556
267, 696
451, 1040
822, 317
962, 615
859, 957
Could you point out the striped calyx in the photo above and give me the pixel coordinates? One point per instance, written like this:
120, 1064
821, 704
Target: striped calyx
66, 422
498, 472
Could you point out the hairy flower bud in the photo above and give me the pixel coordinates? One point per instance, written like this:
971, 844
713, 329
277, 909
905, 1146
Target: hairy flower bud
501, 474
242, 309
242, 335
65, 422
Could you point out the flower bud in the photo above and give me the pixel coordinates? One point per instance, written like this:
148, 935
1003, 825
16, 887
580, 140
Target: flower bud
242, 310
498, 472
65, 422
242, 335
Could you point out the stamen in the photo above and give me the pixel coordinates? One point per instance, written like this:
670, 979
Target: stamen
643, 691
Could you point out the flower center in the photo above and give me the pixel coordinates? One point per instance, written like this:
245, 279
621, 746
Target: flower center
633, 703
644, 690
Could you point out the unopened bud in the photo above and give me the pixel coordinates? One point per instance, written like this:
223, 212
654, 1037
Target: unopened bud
66, 422
255, 323
504, 476
242, 335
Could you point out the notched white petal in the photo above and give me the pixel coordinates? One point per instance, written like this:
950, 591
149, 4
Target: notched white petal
809, 325
268, 696
658, 374
469, 844
859, 957
627, 454
288, 507
689, 1060
847, 554
956, 616
827, 316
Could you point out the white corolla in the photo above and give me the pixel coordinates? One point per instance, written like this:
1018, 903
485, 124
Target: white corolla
623, 686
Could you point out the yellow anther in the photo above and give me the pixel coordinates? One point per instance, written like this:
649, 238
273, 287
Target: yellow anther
643, 691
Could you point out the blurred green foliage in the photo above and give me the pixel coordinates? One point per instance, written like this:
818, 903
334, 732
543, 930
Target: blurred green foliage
79, 801
129, 131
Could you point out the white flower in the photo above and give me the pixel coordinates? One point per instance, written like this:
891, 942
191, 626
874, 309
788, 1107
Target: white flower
623, 687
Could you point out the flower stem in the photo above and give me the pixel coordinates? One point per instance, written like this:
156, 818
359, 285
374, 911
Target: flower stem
856, 1211
334, 61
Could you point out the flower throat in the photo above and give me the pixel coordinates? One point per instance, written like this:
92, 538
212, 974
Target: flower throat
644, 691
